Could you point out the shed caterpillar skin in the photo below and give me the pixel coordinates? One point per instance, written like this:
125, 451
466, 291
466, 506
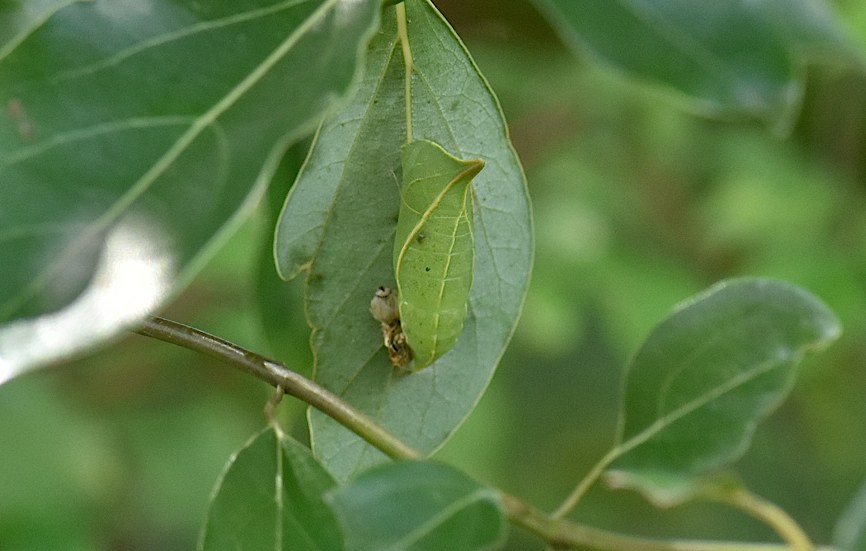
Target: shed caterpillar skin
434, 249
383, 308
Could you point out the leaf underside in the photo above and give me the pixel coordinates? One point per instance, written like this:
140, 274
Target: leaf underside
339, 223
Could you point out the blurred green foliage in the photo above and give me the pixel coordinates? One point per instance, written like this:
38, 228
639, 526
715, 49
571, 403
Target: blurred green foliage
637, 206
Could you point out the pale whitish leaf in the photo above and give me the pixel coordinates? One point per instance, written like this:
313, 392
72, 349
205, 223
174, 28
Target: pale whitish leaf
134, 136
850, 532
339, 221
706, 376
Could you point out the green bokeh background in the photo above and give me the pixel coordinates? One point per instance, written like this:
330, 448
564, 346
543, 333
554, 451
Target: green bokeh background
638, 205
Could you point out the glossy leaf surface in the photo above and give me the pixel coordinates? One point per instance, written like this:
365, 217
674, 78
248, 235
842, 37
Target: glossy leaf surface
434, 248
339, 222
418, 506
727, 58
706, 376
134, 135
271, 497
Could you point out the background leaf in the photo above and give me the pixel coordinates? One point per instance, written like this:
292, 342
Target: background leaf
850, 533
280, 306
728, 58
339, 223
134, 137
704, 378
270, 497
422, 506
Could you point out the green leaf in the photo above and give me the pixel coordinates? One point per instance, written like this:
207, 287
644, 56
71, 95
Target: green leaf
135, 138
338, 225
727, 58
418, 506
271, 497
706, 376
850, 532
434, 248
279, 305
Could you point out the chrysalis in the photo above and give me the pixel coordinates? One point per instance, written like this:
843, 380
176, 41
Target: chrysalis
434, 249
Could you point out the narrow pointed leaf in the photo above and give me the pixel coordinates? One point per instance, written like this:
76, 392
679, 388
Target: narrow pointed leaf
339, 223
850, 532
270, 497
134, 135
418, 506
727, 58
706, 376
434, 248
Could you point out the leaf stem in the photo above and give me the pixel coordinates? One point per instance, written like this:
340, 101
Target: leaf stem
558, 532
563, 534
279, 376
584, 485
771, 514
403, 36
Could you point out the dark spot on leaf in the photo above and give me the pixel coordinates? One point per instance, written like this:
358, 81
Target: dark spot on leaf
427, 269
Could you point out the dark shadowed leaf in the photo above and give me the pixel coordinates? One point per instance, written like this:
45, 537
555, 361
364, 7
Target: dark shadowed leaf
727, 58
418, 506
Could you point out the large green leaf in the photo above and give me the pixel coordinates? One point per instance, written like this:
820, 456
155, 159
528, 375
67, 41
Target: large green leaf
135, 135
704, 378
728, 58
418, 506
339, 221
850, 532
271, 497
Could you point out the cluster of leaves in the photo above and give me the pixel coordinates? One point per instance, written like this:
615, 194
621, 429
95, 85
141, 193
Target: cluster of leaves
114, 196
